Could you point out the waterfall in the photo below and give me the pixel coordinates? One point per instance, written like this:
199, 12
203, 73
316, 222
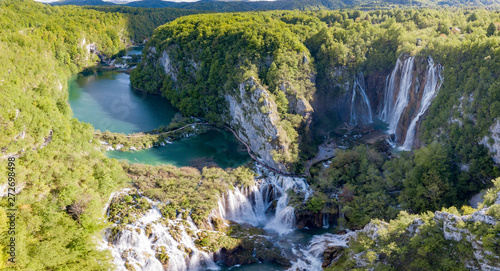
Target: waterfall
137, 244
326, 221
431, 88
243, 205
312, 257
391, 112
255, 206
397, 96
361, 110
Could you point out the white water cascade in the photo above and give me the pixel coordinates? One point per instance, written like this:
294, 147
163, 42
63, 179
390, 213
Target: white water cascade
432, 85
137, 244
311, 259
361, 110
252, 205
391, 111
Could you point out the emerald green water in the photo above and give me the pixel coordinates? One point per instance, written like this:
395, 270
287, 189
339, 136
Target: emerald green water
106, 100
213, 148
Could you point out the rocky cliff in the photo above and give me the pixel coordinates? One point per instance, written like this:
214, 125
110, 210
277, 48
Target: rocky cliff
266, 114
400, 97
492, 142
253, 114
468, 238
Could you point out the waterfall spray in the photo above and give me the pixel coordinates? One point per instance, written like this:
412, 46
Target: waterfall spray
403, 95
254, 207
432, 85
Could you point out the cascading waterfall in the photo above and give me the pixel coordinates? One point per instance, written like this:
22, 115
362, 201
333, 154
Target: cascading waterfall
432, 85
243, 205
311, 259
137, 244
361, 110
251, 205
391, 112
398, 101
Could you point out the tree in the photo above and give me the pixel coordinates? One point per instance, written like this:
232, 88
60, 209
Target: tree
491, 30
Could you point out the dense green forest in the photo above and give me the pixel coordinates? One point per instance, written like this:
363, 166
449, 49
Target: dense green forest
60, 169
270, 46
59, 165
141, 22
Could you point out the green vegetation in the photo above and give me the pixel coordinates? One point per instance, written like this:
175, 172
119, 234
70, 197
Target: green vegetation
232, 6
417, 242
186, 189
62, 180
369, 185
141, 22
209, 55
151, 139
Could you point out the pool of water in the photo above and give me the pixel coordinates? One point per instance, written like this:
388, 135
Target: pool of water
213, 148
290, 244
134, 50
106, 100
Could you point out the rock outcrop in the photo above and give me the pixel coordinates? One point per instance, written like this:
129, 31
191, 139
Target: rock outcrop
254, 116
492, 142
467, 230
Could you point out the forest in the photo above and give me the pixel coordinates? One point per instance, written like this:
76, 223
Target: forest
60, 166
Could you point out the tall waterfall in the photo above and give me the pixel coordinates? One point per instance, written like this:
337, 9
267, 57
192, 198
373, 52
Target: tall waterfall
391, 111
431, 88
253, 205
361, 110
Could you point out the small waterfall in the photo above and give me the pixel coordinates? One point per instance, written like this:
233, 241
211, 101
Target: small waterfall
432, 85
312, 258
326, 221
253, 208
361, 110
390, 84
137, 244
243, 205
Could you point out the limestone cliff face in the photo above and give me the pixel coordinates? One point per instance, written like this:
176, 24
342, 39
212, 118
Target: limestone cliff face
331, 103
492, 142
250, 110
254, 116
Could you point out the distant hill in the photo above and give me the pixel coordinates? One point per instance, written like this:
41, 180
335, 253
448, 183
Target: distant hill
231, 6
222, 6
